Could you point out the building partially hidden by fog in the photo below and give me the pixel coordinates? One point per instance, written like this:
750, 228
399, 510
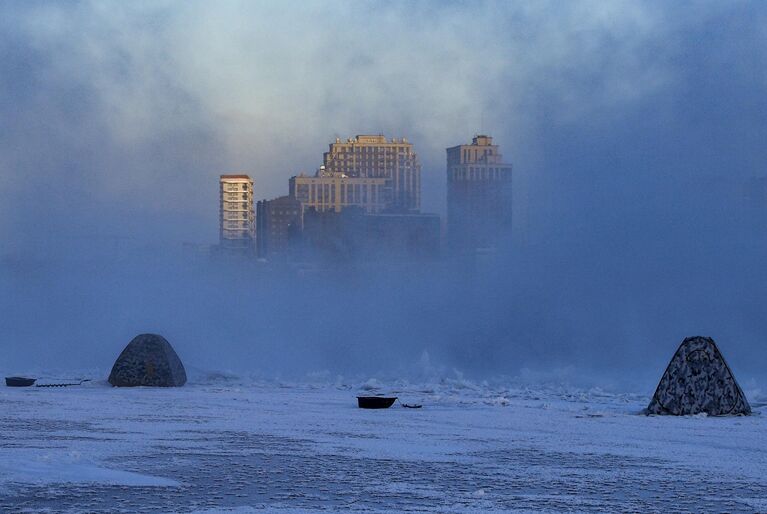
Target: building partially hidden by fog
334, 191
353, 236
363, 204
478, 196
375, 157
237, 227
279, 224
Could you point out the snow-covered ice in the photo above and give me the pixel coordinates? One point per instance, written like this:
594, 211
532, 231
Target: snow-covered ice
233, 445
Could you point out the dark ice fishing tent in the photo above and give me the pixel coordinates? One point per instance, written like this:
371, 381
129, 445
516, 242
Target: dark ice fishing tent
698, 380
148, 360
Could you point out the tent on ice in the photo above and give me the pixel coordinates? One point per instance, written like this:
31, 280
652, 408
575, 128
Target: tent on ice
148, 360
698, 380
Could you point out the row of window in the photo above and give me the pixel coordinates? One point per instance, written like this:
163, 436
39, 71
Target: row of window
402, 161
372, 149
349, 193
234, 206
476, 154
283, 211
235, 188
481, 173
241, 225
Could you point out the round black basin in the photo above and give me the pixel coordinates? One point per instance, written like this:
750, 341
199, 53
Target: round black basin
375, 402
19, 381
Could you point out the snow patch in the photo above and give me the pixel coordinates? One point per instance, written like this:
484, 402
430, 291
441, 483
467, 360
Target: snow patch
70, 468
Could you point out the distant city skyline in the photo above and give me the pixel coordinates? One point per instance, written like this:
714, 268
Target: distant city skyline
375, 178
598, 105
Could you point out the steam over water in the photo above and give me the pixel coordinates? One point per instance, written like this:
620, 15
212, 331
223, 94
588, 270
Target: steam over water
636, 132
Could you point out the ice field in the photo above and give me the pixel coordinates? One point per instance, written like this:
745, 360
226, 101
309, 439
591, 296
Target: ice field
224, 444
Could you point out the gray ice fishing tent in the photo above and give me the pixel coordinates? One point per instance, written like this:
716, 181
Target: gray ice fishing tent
698, 380
148, 360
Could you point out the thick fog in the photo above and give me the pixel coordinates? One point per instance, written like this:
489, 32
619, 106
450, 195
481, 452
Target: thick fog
637, 134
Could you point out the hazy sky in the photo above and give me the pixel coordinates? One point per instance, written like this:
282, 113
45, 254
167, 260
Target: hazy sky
131, 109
633, 128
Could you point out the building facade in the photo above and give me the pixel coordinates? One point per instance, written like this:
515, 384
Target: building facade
479, 196
279, 222
237, 228
375, 157
402, 237
327, 191
354, 236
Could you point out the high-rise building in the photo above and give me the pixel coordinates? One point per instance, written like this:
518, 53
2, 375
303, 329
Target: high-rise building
478, 196
278, 221
335, 191
375, 157
237, 228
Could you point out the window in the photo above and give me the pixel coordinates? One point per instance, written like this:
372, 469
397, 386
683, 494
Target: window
302, 192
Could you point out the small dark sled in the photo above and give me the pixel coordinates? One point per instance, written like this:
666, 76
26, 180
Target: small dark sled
19, 381
81, 382
375, 402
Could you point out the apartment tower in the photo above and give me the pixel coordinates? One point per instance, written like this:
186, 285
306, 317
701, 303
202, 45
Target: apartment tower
478, 196
375, 157
279, 221
237, 228
334, 191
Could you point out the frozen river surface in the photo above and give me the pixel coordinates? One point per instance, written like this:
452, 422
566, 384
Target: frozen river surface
230, 446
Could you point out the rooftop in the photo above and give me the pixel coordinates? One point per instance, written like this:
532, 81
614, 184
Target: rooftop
232, 177
373, 139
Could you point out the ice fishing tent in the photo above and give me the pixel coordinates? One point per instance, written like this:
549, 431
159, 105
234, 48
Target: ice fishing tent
148, 360
698, 380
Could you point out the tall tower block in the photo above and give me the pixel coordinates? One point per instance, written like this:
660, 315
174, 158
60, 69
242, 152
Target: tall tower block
237, 226
478, 196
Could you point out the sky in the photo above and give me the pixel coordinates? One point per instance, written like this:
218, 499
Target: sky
634, 129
